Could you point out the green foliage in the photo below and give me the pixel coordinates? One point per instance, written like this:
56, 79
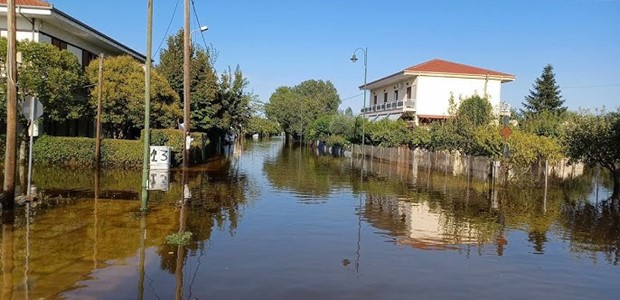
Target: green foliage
420, 137
123, 97
115, 153
595, 139
545, 123
235, 112
474, 111
444, 136
174, 139
527, 149
179, 238
218, 105
54, 76
70, 151
388, 133
296, 108
262, 126
80, 151
545, 96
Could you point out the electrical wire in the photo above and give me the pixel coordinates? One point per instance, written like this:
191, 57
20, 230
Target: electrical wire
167, 29
199, 25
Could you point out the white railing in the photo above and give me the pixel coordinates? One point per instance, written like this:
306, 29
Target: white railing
404, 105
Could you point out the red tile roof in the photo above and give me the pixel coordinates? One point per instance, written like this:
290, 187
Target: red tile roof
448, 67
39, 3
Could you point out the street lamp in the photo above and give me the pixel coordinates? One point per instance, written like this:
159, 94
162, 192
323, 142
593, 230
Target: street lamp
201, 29
354, 59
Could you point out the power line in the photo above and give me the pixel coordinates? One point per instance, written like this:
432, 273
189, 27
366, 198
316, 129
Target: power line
349, 98
590, 86
167, 29
199, 25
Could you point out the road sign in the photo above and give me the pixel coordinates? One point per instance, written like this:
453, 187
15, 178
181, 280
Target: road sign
159, 180
159, 157
27, 108
505, 132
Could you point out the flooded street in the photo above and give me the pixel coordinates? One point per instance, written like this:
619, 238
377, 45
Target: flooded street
276, 222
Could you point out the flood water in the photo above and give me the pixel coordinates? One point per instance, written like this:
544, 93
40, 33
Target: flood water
276, 222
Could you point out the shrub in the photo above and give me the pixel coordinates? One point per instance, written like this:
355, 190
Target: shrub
80, 151
174, 139
68, 151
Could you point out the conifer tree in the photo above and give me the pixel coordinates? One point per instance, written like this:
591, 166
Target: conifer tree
545, 97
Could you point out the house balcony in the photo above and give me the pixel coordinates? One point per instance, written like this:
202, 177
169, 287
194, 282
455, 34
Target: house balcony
391, 107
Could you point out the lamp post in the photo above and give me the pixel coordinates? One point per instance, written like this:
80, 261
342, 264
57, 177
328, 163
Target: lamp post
354, 59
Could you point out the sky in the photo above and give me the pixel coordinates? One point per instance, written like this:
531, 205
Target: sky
284, 42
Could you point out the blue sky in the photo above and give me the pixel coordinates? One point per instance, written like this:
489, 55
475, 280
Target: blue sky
284, 42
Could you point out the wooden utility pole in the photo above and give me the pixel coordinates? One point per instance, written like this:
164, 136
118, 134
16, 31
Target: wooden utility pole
99, 95
11, 111
147, 106
186, 87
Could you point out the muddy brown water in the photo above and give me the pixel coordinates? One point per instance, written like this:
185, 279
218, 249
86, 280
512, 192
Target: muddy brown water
276, 222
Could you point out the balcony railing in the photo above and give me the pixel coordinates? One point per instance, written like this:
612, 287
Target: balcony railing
402, 105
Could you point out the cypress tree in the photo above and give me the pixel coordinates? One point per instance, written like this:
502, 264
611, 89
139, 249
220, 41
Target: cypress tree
545, 97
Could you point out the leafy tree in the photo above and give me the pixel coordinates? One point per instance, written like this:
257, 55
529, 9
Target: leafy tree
234, 110
545, 95
123, 97
203, 81
595, 139
262, 126
54, 76
545, 123
296, 108
474, 111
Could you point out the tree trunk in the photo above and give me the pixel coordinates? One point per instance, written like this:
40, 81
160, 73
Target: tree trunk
616, 193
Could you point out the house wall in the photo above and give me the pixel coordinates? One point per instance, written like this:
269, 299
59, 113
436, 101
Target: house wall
433, 93
44, 32
400, 86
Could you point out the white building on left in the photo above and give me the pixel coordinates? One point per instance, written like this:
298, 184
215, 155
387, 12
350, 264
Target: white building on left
41, 22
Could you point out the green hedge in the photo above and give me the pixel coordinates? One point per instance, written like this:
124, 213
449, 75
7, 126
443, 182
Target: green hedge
80, 151
174, 139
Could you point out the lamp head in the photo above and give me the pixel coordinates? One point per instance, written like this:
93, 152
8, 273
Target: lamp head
204, 28
354, 58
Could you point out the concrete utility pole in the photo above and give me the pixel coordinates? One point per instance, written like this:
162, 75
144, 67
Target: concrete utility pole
186, 87
11, 111
147, 106
99, 96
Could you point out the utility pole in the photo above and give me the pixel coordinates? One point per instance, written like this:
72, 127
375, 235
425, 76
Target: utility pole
99, 96
186, 87
11, 111
147, 106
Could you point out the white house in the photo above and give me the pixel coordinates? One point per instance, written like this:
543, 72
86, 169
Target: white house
39, 21
422, 92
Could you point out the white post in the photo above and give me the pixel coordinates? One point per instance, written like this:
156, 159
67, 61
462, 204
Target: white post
31, 133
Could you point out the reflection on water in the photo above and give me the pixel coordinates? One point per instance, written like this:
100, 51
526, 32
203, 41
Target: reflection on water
254, 236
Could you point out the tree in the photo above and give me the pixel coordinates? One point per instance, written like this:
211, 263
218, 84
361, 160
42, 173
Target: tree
545, 96
296, 108
203, 81
53, 75
594, 139
234, 103
474, 111
123, 97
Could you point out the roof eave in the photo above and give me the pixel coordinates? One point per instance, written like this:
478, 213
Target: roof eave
502, 77
94, 32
